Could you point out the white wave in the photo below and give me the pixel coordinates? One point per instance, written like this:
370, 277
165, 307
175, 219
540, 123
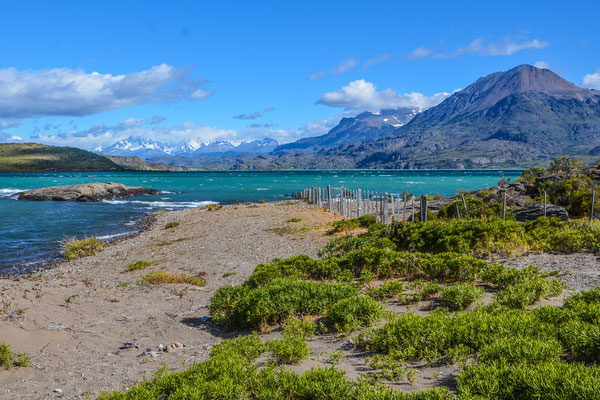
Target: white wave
163, 204
9, 192
113, 236
262, 189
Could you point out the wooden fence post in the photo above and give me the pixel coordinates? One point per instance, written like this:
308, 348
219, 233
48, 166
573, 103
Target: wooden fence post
424, 208
329, 197
457, 211
593, 204
464, 202
403, 207
358, 203
385, 208
413, 207
341, 201
504, 206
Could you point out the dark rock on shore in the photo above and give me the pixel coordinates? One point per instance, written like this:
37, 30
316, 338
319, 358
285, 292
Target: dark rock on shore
87, 192
535, 211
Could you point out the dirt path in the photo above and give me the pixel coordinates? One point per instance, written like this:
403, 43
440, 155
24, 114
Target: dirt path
74, 320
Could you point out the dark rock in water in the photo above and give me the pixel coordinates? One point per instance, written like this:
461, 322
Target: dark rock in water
535, 211
87, 192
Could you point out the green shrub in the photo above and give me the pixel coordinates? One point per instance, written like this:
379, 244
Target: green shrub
75, 248
242, 307
476, 208
582, 339
388, 290
355, 312
299, 327
9, 359
520, 350
290, 349
172, 224
551, 380
366, 221
460, 296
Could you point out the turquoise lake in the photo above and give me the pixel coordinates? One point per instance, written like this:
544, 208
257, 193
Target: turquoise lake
31, 232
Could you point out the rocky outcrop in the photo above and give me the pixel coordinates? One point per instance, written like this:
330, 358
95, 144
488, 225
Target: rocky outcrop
87, 192
535, 211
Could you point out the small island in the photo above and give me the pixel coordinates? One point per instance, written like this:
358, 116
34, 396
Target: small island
86, 192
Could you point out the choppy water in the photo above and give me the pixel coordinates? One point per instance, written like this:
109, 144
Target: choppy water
30, 232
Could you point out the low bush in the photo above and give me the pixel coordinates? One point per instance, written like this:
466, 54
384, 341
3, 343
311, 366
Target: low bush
138, 265
172, 224
550, 380
162, 276
299, 327
290, 349
75, 248
460, 296
230, 373
355, 312
386, 291
520, 350
243, 307
344, 225
496, 236
9, 359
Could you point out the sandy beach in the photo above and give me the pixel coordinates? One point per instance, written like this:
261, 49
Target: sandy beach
88, 325
86, 330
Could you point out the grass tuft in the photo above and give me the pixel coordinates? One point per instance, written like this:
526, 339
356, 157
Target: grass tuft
75, 248
162, 277
172, 224
139, 265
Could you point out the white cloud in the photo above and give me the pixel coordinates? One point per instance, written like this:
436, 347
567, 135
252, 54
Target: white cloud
542, 65
506, 47
9, 123
419, 53
591, 81
73, 92
339, 69
361, 95
377, 60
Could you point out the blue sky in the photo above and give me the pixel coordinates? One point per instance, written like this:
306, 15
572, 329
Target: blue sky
88, 73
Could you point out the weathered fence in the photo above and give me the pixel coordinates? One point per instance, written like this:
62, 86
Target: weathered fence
354, 203
386, 207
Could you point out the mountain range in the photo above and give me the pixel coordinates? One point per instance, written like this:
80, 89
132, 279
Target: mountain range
517, 118
148, 148
363, 127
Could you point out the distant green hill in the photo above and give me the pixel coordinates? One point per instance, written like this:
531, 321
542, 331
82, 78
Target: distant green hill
33, 157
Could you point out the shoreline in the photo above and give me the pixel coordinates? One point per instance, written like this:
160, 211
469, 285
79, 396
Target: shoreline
90, 308
56, 258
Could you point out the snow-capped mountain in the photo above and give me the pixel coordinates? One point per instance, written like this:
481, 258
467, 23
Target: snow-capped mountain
146, 148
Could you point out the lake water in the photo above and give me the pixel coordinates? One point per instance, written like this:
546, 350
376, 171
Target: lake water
31, 232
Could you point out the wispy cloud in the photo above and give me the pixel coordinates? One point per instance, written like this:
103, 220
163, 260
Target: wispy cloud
377, 60
419, 53
506, 47
9, 123
73, 92
542, 65
361, 95
157, 119
255, 114
339, 69
591, 81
